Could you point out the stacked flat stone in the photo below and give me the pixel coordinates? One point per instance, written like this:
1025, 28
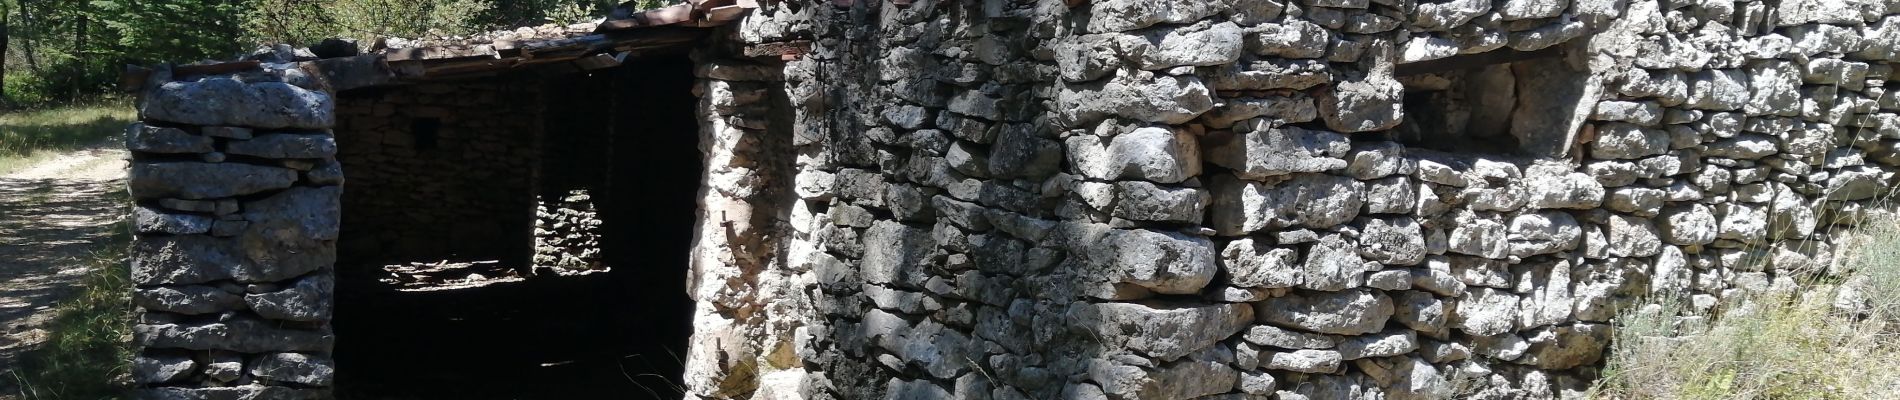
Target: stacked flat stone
1187, 199
567, 234
236, 189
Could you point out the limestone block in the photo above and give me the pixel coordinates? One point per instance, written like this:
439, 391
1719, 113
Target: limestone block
1153, 154
1200, 44
1527, 9
1124, 15
1167, 331
226, 101
1304, 361
285, 145
1293, 38
251, 391
1298, 74
308, 299
1277, 109
1140, 96
1362, 105
1544, 232
193, 180
242, 334
186, 299
1485, 312
1447, 15
1347, 312
1269, 335
1621, 141
1256, 150
140, 137
1333, 264
294, 368
1306, 200
1250, 263
1774, 88
1392, 240
896, 254
162, 367
151, 220
1383, 344
1163, 262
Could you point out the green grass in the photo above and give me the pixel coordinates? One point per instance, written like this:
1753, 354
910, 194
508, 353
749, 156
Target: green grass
28, 137
89, 349
1836, 338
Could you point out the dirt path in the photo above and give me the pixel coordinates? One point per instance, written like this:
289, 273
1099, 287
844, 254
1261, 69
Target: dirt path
51, 216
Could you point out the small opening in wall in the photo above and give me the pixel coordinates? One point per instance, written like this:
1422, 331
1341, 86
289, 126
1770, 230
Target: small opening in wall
424, 131
1502, 102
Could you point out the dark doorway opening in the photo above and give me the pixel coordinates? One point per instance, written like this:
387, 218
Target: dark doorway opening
445, 325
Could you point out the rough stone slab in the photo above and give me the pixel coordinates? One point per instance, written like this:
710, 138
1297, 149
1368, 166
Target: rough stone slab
150, 220
195, 180
186, 299
226, 101
295, 368
1140, 96
247, 392
1167, 331
308, 299
1256, 150
163, 367
1164, 262
285, 145
1124, 15
243, 335
1349, 312
140, 137
1306, 200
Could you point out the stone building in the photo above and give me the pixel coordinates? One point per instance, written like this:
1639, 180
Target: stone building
1009, 199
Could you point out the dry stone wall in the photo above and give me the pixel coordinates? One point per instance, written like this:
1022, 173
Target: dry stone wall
444, 171
1112, 199
1180, 199
236, 192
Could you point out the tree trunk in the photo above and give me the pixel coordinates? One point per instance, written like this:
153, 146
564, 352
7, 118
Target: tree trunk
4, 34
26, 21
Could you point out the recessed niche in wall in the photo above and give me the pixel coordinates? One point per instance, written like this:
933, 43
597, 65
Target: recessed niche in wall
1499, 102
425, 131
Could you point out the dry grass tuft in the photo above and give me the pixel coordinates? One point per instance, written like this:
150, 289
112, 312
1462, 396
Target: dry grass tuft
1838, 338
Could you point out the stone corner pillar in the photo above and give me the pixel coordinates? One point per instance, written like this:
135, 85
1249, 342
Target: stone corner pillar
235, 190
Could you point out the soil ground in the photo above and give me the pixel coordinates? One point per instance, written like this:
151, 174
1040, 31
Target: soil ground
52, 216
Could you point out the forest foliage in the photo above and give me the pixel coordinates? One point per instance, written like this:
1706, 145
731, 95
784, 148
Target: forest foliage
60, 51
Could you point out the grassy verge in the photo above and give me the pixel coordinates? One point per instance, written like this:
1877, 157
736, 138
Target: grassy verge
89, 348
1838, 338
28, 137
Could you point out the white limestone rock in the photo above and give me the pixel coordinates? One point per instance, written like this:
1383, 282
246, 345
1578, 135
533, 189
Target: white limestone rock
1251, 263
1305, 200
1347, 312
1257, 150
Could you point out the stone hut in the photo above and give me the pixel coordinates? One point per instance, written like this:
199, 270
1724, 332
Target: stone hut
999, 199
